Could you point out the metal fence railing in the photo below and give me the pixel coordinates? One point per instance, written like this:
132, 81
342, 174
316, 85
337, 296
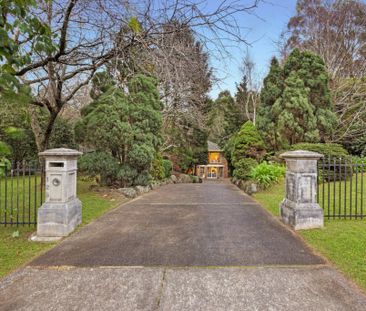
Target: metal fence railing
341, 187
21, 193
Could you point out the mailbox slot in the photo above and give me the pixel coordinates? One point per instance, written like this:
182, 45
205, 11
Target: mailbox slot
56, 164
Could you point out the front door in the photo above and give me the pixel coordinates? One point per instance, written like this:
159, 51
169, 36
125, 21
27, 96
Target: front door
212, 172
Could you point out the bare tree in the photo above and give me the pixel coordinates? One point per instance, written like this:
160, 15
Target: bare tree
89, 34
252, 98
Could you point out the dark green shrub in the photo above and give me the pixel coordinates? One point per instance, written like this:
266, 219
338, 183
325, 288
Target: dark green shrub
243, 168
99, 164
247, 143
158, 171
266, 174
168, 167
328, 150
4, 165
195, 179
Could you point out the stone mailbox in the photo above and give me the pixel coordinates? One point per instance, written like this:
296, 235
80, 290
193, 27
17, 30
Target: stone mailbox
61, 212
300, 208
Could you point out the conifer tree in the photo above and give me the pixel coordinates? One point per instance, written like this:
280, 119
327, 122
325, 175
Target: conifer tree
311, 69
296, 104
125, 131
296, 120
272, 90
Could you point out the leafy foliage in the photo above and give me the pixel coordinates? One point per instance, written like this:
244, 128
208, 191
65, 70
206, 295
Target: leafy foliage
266, 174
15, 18
247, 143
127, 127
294, 113
190, 147
296, 102
224, 118
328, 150
158, 169
243, 168
99, 164
168, 166
5, 165
272, 89
63, 135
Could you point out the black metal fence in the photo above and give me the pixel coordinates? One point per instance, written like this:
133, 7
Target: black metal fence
21, 192
341, 186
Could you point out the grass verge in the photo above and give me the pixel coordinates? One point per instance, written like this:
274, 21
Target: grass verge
16, 249
343, 242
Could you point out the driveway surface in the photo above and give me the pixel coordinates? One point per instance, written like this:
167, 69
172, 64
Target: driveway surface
209, 224
182, 247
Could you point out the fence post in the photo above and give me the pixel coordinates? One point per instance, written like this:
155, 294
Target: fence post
61, 212
299, 208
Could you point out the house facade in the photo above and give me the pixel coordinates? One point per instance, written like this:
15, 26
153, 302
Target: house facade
216, 167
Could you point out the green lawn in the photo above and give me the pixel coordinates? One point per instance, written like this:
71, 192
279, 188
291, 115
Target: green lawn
23, 196
343, 242
16, 251
341, 199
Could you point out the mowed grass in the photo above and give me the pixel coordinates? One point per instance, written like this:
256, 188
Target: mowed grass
16, 249
341, 241
343, 199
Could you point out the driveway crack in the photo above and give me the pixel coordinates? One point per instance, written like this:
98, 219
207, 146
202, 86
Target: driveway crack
161, 290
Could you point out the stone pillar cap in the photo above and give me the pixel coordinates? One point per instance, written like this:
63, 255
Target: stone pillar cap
301, 154
60, 152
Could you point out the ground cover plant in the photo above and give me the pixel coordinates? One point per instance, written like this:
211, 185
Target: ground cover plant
266, 174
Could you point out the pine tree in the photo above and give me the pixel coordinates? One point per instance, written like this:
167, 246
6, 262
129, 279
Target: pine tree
296, 120
272, 90
312, 71
224, 119
125, 129
296, 102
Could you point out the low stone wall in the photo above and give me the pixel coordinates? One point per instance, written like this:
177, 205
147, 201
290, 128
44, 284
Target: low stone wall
133, 192
248, 186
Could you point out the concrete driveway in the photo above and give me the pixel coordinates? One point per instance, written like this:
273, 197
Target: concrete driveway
182, 247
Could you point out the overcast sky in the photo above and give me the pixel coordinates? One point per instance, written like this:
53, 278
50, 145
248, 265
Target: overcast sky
264, 28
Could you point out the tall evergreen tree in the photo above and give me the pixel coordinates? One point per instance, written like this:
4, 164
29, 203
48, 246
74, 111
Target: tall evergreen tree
125, 131
272, 90
296, 102
224, 119
312, 71
296, 120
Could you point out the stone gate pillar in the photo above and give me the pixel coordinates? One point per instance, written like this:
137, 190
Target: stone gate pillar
61, 212
299, 207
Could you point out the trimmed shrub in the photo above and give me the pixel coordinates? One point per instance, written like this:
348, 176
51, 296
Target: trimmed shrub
247, 143
328, 150
168, 167
99, 164
266, 174
243, 168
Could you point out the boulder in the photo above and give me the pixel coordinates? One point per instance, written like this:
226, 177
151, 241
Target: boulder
128, 192
248, 186
174, 179
155, 185
142, 189
185, 179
